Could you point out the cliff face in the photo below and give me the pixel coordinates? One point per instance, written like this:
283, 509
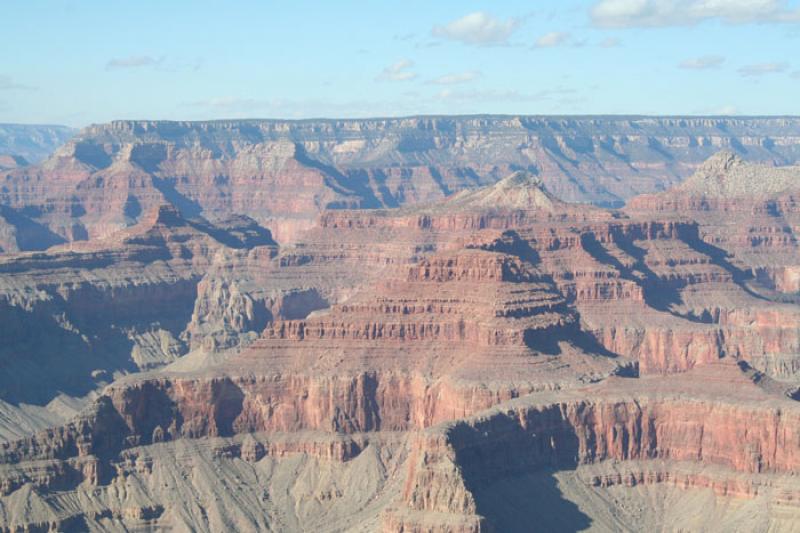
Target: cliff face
454, 467
496, 359
75, 317
749, 210
712, 428
283, 173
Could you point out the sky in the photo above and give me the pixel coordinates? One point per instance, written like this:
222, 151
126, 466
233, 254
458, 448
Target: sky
89, 61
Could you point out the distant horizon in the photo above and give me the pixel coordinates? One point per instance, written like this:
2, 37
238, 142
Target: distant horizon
403, 117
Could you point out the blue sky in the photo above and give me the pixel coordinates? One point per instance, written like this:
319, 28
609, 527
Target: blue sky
79, 62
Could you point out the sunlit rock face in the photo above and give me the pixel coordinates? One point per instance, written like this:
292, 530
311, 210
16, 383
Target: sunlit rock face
486, 361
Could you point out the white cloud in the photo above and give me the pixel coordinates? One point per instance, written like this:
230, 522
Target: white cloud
654, 13
610, 42
761, 69
554, 38
702, 63
7, 83
477, 28
133, 62
456, 78
796, 74
400, 71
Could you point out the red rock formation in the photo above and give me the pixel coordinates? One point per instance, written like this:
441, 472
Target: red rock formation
706, 422
283, 173
487, 335
748, 210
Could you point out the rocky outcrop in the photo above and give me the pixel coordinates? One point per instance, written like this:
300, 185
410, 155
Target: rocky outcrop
451, 464
749, 210
476, 297
73, 317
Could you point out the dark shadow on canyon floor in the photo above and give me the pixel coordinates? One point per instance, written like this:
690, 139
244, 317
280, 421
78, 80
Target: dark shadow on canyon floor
510, 471
529, 502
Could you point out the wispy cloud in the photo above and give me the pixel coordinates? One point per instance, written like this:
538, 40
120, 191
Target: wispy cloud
762, 69
479, 28
7, 83
133, 62
456, 78
400, 71
702, 63
552, 39
655, 13
795, 74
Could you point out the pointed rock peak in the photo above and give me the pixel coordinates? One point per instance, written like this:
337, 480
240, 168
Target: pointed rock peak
711, 175
520, 190
721, 162
520, 178
725, 174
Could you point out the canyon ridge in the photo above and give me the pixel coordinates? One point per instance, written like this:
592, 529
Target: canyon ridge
422, 324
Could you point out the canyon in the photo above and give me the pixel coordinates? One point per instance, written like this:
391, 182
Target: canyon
283, 174
429, 324
21, 144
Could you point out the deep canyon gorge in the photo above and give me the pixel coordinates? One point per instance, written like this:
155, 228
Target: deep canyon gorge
423, 324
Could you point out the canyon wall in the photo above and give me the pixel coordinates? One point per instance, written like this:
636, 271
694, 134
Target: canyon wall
284, 173
497, 360
30, 143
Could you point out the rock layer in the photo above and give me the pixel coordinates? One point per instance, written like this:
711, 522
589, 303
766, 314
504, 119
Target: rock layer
497, 359
283, 173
